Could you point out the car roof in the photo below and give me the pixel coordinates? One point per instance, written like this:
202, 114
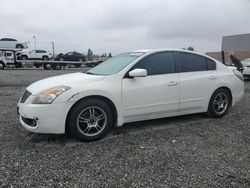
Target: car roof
162, 49
145, 51
8, 39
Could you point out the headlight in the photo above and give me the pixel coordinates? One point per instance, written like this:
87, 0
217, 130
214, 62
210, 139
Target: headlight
48, 96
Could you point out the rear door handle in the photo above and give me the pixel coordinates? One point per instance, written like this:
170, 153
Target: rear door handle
172, 83
212, 77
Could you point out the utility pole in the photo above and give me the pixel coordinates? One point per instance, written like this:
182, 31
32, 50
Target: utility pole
34, 41
53, 49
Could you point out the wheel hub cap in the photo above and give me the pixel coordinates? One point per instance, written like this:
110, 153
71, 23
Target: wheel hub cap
91, 121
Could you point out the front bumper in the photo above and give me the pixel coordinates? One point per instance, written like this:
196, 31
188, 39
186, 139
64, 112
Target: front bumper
43, 118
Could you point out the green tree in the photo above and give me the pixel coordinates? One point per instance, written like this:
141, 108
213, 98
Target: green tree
190, 48
110, 55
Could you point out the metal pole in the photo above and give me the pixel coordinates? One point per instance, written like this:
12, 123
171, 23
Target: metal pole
223, 57
35, 41
53, 49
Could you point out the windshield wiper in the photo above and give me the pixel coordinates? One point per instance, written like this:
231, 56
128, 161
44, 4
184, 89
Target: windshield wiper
90, 73
94, 74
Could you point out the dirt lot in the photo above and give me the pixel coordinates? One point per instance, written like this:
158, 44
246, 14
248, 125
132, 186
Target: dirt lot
187, 151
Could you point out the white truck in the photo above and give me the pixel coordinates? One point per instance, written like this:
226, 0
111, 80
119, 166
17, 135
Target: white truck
8, 58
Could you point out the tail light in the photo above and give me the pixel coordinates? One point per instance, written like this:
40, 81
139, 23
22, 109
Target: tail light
238, 74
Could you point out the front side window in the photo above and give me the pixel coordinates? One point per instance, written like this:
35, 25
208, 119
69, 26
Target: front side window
159, 63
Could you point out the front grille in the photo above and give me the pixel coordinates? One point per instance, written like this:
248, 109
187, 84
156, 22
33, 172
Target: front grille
25, 96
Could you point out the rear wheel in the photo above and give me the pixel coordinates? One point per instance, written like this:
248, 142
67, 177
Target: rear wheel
2, 65
47, 66
19, 46
24, 57
219, 104
90, 120
57, 67
45, 58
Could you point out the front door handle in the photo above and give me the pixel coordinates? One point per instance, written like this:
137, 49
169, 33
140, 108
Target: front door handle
172, 83
212, 77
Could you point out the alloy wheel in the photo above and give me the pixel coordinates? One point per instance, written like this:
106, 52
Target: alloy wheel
220, 103
91, 121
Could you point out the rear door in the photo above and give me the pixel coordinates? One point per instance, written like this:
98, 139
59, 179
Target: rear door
198, 79
154, 95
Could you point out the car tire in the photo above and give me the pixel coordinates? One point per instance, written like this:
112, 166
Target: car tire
47, 66
45, 58
219, 103
18, 65
2, 65
57, 67
24, 57
19, 46
77, 65
90, 120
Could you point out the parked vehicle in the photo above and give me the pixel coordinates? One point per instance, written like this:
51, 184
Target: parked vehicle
246, 67
7, 58
71, 56
134, 86
35, 55
12, 43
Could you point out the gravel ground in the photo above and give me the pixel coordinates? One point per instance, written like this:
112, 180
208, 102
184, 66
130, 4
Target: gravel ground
186, 151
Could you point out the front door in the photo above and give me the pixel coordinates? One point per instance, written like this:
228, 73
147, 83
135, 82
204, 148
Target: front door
155, 95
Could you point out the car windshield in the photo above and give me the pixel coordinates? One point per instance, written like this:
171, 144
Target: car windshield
115, 64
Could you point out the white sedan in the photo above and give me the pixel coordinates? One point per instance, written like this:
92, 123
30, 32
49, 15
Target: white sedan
134, 86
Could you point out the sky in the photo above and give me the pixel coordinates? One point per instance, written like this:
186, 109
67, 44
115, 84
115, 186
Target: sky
123, 25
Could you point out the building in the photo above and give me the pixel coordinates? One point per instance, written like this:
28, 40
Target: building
239, 45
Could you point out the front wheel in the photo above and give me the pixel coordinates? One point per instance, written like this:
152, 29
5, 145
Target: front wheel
90, 120
219, 104
2, 65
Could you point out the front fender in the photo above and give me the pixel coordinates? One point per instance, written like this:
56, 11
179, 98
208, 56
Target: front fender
114, 99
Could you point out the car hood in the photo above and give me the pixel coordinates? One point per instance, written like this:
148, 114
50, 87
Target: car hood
63, 80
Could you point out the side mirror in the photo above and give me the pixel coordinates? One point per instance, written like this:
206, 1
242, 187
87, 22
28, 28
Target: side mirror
138, 73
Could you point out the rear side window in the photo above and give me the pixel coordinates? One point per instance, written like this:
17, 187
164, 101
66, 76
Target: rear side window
159, 63
192, 63
40, 51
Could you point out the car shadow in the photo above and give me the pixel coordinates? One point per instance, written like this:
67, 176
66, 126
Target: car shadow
128, 128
